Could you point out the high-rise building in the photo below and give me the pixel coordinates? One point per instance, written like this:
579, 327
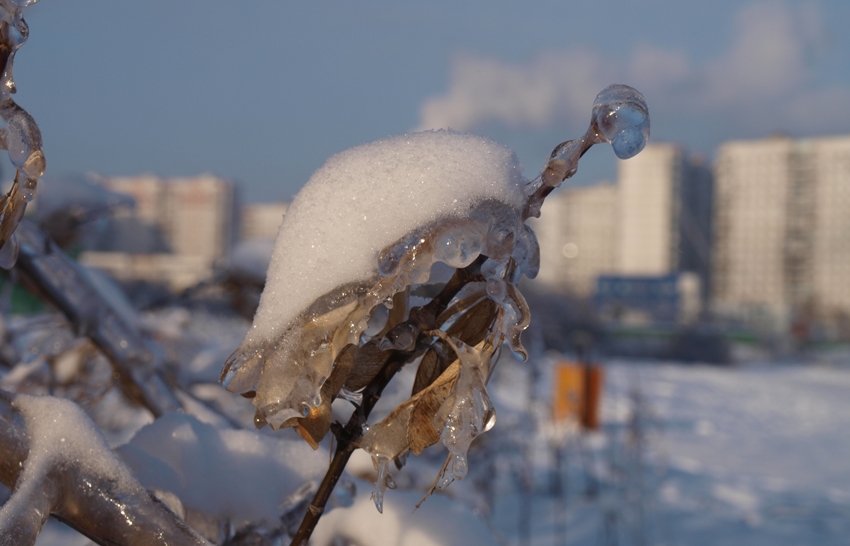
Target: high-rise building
649, 208
178, 229
781, 225
195, 215
653, 223
578, 236
664, 212
754, 182
830, 240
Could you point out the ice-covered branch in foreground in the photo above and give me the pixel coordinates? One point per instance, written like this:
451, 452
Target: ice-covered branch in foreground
19, 133
66, 285
359, 239
54, 460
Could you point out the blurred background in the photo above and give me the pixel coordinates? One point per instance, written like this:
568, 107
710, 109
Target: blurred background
709, 276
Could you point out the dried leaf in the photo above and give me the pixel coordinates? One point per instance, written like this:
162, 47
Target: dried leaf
316, 425
472, 327
415, 414
428, 371
367, 363
421, 432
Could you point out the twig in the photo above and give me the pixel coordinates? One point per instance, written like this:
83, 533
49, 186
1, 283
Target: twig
422, 319
61, 282
436, 481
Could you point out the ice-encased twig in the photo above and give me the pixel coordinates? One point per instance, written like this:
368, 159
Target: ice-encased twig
19, 133
55, 461
63, 284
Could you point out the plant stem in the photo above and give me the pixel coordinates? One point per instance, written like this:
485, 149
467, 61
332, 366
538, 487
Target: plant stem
348, 437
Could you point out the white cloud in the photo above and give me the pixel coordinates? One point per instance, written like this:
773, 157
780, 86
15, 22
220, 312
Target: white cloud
488, 89
760, 78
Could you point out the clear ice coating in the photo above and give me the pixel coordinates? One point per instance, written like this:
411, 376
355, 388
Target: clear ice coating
622, 117
19, 134
363, 238
468, 411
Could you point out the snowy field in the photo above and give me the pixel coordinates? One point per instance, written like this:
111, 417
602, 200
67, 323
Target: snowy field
687, 455
692, 455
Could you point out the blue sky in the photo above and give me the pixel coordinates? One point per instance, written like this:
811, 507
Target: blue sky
264, 91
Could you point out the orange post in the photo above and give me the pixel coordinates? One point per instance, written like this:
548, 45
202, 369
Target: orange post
577, 393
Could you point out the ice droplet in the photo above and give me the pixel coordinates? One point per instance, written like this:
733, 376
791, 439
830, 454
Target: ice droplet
621, 114
497, 290
401, 338
458, 247
28, 190
445, 480
460, 466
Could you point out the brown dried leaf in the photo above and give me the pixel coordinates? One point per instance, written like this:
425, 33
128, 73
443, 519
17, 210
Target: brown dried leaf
316, 425
428, 371
421, 432
472, 327
463, 305
367, 363
342, 369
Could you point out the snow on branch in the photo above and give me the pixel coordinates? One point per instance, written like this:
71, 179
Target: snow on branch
365, 232
55, 460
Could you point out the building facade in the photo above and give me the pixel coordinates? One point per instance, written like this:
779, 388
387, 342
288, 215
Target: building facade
578, 236
177, 231
782, 252
654, 222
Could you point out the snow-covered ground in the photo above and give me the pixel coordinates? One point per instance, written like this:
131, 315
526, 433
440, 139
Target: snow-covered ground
687, 455
698, 455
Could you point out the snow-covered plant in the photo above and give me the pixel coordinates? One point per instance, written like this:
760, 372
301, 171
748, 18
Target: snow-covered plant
352, 293
19, 133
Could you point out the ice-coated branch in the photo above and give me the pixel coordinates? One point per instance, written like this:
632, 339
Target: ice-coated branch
19, 134
620, 117
367, 228
422, 320
63, 284
55, 461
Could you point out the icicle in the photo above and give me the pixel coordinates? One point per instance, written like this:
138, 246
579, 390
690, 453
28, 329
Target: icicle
517, 318
468, 411
385, 481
